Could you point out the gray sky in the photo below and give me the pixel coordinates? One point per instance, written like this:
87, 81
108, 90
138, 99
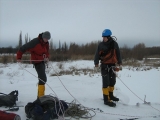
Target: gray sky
81, 21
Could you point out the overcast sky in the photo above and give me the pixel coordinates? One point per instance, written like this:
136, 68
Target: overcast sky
81, 21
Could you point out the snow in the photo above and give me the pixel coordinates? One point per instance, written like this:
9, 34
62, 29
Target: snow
133, 85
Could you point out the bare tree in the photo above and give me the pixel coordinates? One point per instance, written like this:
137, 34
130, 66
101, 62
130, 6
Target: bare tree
51, 44
20, 39
59, 45
139, 51
26, 38
126, 52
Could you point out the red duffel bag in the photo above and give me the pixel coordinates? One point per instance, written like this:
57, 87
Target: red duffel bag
8, 116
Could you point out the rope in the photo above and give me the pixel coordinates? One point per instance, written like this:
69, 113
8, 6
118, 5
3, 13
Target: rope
133, 92
62, 83
100, 112
137, 117
39, 79
75, 111
49, 87
31, 60
79, 111
69, 110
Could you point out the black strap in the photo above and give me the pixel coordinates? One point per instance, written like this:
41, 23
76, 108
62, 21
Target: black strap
13, 109
3, 94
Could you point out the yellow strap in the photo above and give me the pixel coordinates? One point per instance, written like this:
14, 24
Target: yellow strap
111, 89
105, 91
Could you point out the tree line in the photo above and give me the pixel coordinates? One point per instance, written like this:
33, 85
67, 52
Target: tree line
87, 51
65, 52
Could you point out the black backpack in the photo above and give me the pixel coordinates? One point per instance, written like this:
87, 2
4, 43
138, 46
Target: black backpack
45, 108
9, 100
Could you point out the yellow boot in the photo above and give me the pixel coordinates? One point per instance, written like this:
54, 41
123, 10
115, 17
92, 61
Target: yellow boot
106, 98
41, 89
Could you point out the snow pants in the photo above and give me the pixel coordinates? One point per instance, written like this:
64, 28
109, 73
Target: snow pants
40, 68
108, 76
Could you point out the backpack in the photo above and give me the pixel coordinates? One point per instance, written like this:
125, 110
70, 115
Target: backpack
45, 108
8, 116
9, 100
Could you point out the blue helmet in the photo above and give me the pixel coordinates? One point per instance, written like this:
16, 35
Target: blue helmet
106, 32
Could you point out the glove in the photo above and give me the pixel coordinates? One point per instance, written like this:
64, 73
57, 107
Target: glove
96, 69
117, 68
120, 67
19, 60
46, 60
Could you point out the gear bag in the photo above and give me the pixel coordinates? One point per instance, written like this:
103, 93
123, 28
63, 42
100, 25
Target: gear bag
45, 108
8, 116
9, 100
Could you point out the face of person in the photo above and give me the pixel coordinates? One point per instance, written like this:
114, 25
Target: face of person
105, 39
45, 40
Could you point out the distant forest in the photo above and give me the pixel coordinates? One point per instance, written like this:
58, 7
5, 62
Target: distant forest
63, 52
87, 51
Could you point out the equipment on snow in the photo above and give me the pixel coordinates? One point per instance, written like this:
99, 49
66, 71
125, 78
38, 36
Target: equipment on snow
8, 116
9, 100
45, 108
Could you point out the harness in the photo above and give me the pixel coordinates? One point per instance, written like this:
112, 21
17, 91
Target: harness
108, 56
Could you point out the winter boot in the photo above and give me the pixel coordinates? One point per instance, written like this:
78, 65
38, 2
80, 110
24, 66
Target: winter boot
108, 102
41, 89
106, 99
111, 96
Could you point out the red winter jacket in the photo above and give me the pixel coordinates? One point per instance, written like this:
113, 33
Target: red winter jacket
38, 49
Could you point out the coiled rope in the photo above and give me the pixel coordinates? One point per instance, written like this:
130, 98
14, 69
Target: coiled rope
79, 111
74, 110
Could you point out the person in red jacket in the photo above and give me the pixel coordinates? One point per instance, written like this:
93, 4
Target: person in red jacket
39, 50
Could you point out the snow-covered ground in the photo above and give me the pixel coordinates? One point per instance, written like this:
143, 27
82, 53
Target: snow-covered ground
132, 87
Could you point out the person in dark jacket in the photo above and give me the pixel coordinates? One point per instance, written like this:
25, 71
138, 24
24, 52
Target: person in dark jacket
109, 54
39, 50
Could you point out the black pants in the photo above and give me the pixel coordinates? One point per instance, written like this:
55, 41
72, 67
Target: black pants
108, 76
40, 68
